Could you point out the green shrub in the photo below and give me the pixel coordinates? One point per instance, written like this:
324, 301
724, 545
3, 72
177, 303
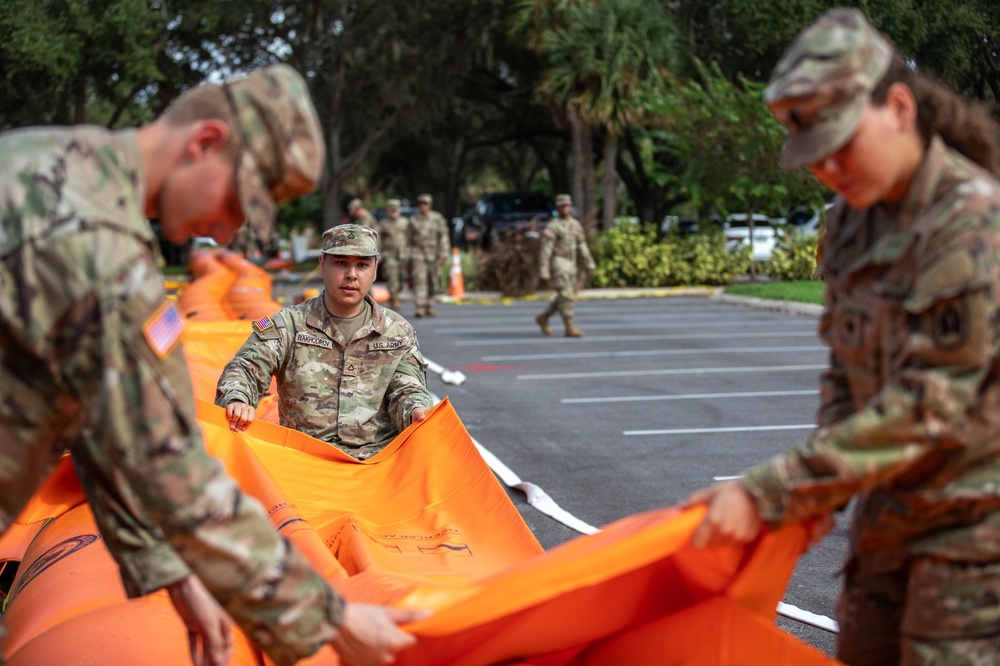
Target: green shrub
794, 258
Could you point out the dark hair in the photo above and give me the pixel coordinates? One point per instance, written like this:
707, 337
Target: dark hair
964, 125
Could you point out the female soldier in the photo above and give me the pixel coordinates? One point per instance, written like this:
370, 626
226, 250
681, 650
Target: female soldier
909, 418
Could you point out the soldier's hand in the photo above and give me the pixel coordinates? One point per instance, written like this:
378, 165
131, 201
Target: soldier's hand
418, 414
240, 416
731, 518
210, 630
369, 634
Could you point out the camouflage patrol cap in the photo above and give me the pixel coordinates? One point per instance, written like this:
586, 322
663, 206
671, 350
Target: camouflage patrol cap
351, 240
823, 83
282, 152
425, 198
392, 203
564, 200
353, 205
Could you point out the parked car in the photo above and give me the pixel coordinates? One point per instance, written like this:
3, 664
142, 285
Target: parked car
806, 221
737, 231
494, 213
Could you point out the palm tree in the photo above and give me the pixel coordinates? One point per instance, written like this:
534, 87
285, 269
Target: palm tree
599, 53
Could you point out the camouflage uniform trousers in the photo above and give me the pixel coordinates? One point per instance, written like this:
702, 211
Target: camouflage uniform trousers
426, 280
394, 269
930, 611
564, 284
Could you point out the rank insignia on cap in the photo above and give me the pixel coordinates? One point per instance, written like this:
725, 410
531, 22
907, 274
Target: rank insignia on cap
163, 329
263, 324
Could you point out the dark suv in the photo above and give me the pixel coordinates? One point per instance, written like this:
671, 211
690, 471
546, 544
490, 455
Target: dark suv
496, 212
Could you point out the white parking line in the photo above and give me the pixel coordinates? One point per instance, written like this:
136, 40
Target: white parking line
671, 371
686, 396
703, 431
640, 323
534, 339
648, 352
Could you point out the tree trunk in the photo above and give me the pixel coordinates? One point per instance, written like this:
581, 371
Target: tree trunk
576, 127
609, 180
331, 190
588, 206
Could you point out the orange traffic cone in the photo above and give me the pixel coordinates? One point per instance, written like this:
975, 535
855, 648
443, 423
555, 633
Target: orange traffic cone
456, 285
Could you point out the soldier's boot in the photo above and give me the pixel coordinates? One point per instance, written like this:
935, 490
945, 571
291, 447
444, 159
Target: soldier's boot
420, 311
394, 302
543, 323
430, 311
571, 330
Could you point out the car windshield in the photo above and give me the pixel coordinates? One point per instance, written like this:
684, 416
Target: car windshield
528, 203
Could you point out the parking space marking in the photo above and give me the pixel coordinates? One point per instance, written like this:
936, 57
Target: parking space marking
638, 323
671, 371
534, 339
648, 352
686, 396
705, 431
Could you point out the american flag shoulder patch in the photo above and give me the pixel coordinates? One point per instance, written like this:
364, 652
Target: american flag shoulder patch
263, 324
163, 329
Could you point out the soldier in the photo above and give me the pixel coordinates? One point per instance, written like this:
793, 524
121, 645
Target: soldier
349, 371
393, 237
429, 248
908, 418
357, 212
90, 357
563, 243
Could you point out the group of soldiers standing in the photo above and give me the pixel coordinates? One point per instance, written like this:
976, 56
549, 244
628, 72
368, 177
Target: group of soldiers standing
414, 247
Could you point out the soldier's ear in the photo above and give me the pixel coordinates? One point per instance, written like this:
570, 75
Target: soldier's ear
207, 137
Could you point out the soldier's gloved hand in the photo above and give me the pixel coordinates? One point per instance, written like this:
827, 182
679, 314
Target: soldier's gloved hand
210, 629
369, 634
240, 415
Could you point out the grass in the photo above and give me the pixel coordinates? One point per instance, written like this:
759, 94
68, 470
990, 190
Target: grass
803, 291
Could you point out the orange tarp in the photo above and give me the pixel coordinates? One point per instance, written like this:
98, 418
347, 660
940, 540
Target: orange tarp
423, 524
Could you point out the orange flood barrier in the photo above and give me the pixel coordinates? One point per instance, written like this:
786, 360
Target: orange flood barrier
423, 524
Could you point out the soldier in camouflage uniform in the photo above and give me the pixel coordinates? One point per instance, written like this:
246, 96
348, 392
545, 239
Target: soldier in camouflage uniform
429, 248
357, 212
563, 243
90, 359
393, 239
349, 371
909, 418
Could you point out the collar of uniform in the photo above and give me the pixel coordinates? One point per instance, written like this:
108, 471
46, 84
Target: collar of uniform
318, 317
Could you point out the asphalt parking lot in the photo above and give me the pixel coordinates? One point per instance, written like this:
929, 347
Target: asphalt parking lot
660, 398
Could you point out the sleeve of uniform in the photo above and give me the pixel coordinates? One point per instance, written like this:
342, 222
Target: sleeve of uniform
408, 387
948, 348
144, 430
248, 375
444, 243
584, 250
545, 252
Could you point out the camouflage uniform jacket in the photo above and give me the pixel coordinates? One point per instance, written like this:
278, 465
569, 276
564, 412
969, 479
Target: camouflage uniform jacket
563, 240
429, 237
355, 394
910, 405
367, 219
90, 360
393, 237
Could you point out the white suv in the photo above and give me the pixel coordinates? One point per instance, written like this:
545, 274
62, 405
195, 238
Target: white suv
737, 230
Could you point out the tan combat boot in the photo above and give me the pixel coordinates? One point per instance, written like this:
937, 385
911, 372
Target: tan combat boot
543, 323
394, 303
420, 311
430, 311
571, 330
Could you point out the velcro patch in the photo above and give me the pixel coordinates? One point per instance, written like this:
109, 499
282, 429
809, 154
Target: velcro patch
263, 324
315, 341
163, 329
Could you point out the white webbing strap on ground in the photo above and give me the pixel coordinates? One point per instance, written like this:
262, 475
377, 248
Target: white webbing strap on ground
804, 616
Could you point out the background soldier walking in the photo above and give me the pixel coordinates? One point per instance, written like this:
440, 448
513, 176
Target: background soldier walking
429, 248
563, 241
393, 238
